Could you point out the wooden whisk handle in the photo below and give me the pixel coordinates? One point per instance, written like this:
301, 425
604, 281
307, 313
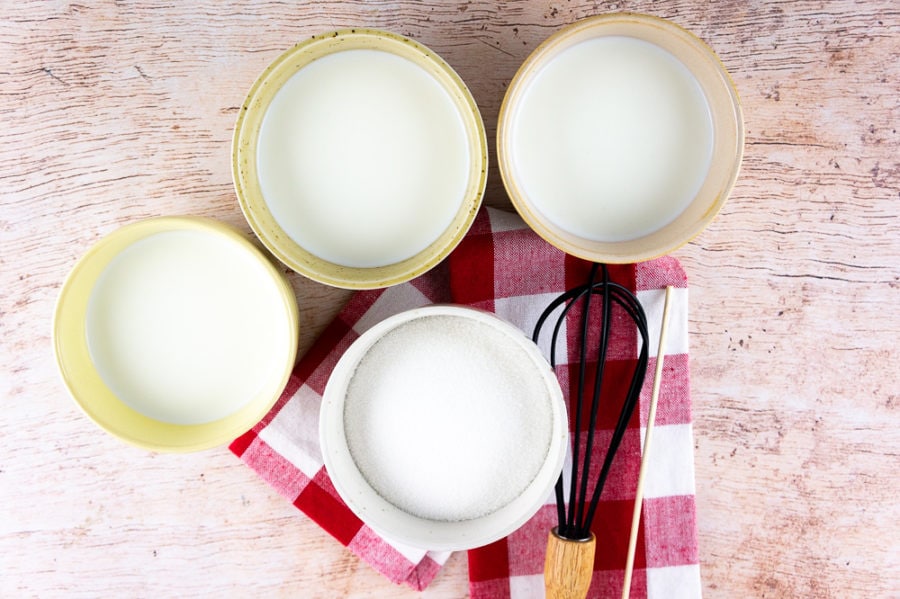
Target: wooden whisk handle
568, 567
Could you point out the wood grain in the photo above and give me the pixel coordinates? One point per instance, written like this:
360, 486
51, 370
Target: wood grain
116, 111
568, 567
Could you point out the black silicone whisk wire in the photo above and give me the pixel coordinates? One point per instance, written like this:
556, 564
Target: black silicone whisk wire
575, 522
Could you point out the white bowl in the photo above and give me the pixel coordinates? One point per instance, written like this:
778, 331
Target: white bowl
443, 428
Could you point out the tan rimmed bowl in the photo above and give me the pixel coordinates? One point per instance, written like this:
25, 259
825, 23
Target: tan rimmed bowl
246, 170
727, 137
125, 401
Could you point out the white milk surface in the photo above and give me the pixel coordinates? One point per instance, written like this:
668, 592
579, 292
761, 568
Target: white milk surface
363, 158
612, 139
185, 327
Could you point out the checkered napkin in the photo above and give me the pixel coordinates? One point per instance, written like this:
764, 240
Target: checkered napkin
502, 266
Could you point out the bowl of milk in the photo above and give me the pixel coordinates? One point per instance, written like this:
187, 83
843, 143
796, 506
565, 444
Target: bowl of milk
443, 428
620, 138
359, 158
175, 333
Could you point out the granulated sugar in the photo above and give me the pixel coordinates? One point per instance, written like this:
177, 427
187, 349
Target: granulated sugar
448, 418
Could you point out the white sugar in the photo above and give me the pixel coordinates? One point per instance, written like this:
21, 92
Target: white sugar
448, 418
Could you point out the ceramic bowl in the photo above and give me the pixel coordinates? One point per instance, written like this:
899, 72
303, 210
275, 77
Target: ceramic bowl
425, 478
727, 138
145, 351
291, 238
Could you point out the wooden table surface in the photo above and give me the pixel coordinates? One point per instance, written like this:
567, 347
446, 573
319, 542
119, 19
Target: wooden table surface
117, 111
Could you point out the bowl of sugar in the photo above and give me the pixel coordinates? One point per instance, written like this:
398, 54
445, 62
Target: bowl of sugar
175, 334
359, 158
620, 138
443, 428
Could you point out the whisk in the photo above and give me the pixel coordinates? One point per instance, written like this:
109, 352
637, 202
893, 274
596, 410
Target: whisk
571, 544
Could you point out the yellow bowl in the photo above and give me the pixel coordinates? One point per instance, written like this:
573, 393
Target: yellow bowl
272, 232
727, 139
129, 413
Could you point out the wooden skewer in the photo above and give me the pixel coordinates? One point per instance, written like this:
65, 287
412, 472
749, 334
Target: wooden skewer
651, 417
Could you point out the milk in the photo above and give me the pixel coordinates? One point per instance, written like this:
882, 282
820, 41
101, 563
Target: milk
363, 158
611, 139
186, 327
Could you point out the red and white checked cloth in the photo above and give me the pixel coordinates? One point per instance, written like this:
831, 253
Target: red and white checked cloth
502, 266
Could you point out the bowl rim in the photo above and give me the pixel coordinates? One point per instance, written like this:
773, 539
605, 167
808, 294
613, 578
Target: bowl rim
249, 194
87, 388
376, 512
641, 26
